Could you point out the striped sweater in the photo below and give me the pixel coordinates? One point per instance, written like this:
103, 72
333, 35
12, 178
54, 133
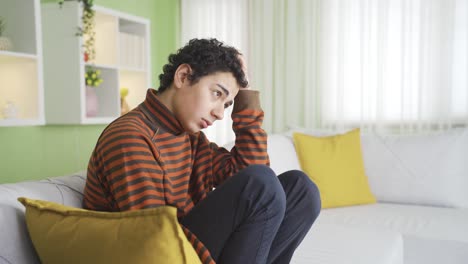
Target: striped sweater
144, 159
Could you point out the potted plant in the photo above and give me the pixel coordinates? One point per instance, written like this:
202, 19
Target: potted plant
5, 43
87, 30
93, 77
92, 80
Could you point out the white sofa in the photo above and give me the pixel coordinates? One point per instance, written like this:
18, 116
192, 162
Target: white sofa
421, 184
15, 244
395, 230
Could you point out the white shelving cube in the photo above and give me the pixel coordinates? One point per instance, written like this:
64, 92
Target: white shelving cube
21, 71
64, 71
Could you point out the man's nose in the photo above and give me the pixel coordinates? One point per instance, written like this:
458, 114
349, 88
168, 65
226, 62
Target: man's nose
218, 112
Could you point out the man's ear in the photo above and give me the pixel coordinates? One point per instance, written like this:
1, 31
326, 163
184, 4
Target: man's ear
181, 75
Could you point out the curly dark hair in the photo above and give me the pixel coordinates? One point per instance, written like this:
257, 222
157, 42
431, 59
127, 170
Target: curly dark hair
205, 56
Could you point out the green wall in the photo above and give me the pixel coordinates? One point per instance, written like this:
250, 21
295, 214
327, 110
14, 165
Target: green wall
30, 153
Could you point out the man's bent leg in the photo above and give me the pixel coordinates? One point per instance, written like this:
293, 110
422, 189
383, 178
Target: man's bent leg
302, 208
238, 221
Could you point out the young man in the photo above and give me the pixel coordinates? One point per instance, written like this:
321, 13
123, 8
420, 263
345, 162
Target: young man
156, 155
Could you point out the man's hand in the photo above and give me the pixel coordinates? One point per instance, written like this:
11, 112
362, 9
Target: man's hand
244, 68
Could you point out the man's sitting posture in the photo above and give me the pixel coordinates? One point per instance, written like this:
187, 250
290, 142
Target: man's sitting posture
156, 155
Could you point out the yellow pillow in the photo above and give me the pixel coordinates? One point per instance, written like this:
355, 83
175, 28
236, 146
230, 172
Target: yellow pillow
335, 164
63, 234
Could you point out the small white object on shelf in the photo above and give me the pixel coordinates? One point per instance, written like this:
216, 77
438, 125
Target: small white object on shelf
10, 110
5, 43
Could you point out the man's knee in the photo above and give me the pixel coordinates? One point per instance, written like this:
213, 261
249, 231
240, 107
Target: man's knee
265, 184
310, 194
314, 193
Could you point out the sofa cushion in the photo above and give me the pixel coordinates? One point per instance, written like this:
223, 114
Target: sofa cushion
429, 233
335, 164
15, 244
428, 169
336, 244
63, 234
420, 250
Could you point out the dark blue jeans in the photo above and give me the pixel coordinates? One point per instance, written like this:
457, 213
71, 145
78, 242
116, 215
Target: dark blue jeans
255, 216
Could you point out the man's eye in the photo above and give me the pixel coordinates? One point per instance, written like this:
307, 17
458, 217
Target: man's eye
226, 105
217, 93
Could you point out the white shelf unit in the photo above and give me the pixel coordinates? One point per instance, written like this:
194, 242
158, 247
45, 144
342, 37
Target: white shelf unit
21, 71
122, 44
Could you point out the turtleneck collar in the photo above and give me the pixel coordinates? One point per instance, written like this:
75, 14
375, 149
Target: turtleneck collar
157, 112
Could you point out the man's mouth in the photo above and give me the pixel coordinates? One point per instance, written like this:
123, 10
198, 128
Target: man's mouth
205, 123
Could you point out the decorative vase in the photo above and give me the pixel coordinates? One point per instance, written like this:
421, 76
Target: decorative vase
5, 43
92, 102
124, 108
10, 110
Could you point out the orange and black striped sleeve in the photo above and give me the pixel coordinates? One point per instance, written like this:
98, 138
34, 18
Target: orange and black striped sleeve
251, 140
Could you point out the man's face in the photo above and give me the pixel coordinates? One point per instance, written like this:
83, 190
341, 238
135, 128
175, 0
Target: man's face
199, 105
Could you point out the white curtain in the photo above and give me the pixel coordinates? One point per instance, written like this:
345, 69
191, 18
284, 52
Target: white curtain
376, 64
225, 20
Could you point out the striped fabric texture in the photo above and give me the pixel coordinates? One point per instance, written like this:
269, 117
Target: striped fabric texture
144, 159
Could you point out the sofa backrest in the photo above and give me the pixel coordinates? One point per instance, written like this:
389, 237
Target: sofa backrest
283, 156
420, 168
425, 169
15, 244
281, 152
